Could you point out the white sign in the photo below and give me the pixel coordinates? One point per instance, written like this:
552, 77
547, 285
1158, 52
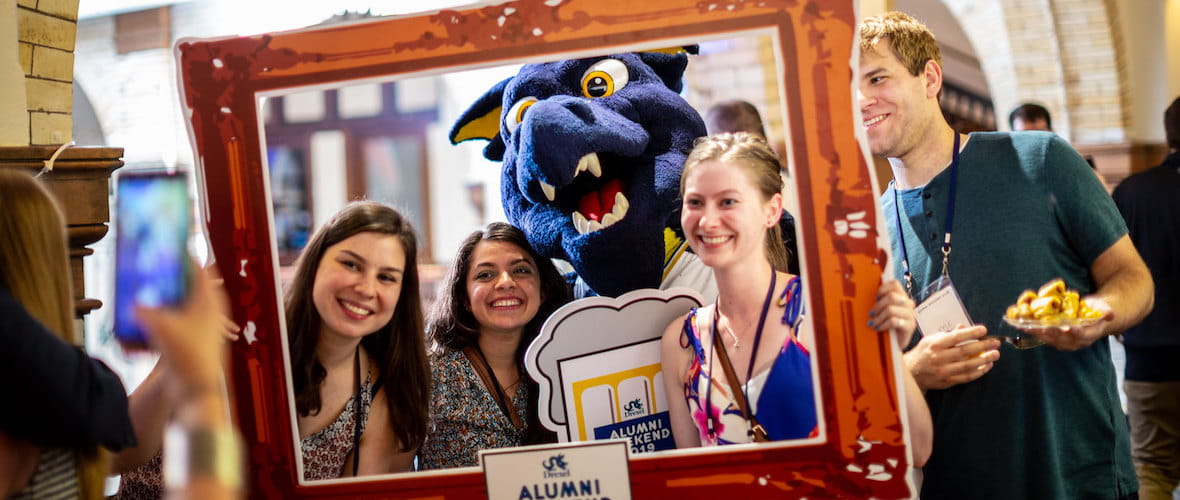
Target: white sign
597, 361
586, 471
942, 310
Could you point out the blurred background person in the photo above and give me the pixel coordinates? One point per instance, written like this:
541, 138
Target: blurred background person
1030, 116
734, 115
1150, 205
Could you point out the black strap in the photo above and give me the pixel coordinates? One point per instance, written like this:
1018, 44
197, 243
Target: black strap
356, 408
484, 370
950, 219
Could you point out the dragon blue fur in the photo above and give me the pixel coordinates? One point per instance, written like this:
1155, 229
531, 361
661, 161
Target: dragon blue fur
641, 132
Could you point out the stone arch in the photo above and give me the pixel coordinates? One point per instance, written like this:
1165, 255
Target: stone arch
1062, 53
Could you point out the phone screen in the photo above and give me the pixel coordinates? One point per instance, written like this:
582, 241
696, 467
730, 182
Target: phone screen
151, 258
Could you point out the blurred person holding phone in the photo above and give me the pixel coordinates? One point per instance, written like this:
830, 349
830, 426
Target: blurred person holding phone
354, 322
494, 299
34, 268
52, 453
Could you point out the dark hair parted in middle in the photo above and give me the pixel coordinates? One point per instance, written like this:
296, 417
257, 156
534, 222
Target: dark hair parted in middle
452, 325
398, 348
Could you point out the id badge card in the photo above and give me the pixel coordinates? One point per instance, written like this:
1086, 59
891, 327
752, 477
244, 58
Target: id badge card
941, 308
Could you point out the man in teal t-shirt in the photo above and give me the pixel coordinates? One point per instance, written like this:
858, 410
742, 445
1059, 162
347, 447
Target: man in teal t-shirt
1017, 210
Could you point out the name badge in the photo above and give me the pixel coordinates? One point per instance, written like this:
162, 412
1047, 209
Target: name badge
591, 470
942, 308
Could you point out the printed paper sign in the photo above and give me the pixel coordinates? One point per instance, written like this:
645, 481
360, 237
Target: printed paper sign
586, 471
598, 363
608, 403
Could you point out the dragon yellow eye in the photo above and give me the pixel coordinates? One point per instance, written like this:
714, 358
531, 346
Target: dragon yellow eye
516, 113
604, 78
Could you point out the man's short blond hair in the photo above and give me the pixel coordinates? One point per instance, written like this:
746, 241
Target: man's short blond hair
913, 44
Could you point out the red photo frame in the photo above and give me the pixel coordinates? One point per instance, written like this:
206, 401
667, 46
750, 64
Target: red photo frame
864, 451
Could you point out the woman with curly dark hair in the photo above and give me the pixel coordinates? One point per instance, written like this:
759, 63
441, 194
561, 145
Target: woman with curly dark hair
491, 305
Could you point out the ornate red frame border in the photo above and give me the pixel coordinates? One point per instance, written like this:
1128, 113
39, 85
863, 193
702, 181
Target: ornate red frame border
864, 454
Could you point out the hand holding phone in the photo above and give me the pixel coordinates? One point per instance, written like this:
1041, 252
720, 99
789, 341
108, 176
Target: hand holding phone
151, 257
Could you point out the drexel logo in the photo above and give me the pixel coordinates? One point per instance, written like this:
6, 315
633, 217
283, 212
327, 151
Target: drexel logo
556, 467
633, 408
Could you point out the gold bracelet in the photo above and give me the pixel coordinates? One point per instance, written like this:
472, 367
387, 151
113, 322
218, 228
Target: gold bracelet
191, 454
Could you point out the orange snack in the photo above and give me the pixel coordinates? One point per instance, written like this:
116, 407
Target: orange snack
1070, 306
1051, 304
1052, 288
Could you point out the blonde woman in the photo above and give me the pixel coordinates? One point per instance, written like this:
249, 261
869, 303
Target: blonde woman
732, 199
35, 269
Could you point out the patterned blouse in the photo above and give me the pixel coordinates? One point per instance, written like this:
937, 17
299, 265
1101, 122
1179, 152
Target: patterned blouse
325, 451
464, 416
143, 482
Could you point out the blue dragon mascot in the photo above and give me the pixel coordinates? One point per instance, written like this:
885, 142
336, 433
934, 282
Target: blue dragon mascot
592, 152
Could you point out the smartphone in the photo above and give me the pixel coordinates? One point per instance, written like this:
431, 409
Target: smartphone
152, 213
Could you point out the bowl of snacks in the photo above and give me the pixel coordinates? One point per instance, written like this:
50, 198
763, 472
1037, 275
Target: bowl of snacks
1053, 305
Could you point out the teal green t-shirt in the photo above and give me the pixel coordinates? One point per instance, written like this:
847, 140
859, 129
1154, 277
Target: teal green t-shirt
1042, 423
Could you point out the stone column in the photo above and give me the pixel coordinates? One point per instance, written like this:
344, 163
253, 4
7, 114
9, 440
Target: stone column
45, 32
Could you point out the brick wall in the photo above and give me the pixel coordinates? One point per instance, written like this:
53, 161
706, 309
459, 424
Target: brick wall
1072, 57
46, 30
1095, 88
1064, 54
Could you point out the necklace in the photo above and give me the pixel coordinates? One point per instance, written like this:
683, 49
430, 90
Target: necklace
736, 343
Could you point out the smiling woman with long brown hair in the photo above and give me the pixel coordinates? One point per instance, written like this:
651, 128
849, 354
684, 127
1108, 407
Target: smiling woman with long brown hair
354, 323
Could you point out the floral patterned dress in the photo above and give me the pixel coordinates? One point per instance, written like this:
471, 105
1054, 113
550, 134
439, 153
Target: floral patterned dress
325, 451
464, 416
143, 482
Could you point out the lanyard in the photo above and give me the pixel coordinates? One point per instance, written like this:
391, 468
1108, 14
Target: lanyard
950, 218
744, 403
356, 407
